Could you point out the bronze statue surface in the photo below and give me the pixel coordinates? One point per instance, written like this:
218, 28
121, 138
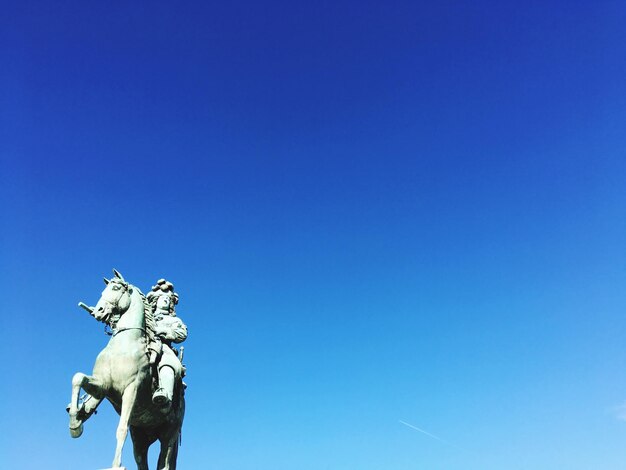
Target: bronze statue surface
138, 372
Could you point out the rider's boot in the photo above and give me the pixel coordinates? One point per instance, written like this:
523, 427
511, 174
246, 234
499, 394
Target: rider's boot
163, 395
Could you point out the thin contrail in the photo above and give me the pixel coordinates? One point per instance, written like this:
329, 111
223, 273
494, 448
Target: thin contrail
424, 432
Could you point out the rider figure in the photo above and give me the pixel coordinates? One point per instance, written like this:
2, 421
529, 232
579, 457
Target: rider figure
169, 329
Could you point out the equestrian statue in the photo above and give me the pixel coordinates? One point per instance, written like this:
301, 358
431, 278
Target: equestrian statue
139, 371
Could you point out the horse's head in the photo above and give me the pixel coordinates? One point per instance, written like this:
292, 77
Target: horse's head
115, 299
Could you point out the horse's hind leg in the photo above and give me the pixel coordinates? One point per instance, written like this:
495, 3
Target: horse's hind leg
141, 442
169, 452
94, 387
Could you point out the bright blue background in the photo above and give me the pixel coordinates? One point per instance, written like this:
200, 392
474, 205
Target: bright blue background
372, 212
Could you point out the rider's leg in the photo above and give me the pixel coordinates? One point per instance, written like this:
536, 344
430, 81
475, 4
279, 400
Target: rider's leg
163, 395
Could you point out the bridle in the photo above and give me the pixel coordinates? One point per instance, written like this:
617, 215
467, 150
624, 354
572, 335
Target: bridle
109, 323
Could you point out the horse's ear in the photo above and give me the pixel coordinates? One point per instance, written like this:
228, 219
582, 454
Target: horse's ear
118, 275
106, 281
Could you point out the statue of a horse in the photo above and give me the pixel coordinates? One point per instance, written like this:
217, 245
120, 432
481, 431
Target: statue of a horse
123, 375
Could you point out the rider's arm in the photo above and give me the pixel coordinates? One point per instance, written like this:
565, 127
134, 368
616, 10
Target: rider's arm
174, 331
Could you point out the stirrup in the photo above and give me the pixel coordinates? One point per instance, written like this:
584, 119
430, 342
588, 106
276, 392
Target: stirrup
160, 398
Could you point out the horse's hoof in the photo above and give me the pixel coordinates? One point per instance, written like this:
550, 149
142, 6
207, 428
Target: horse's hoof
77, 432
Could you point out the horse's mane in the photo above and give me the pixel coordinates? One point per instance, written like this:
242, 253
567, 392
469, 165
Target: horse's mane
148, 317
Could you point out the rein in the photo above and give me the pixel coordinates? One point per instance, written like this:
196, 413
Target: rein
121, 330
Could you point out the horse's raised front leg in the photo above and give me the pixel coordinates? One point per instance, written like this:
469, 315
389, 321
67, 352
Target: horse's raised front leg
93, 386
89, 407
128, 403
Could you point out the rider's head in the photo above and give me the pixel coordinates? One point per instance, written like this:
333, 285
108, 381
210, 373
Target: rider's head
162, 297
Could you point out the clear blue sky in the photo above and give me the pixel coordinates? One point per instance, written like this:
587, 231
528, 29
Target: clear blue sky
372, 212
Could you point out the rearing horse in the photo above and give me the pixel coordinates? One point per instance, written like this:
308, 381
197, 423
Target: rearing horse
123, 375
